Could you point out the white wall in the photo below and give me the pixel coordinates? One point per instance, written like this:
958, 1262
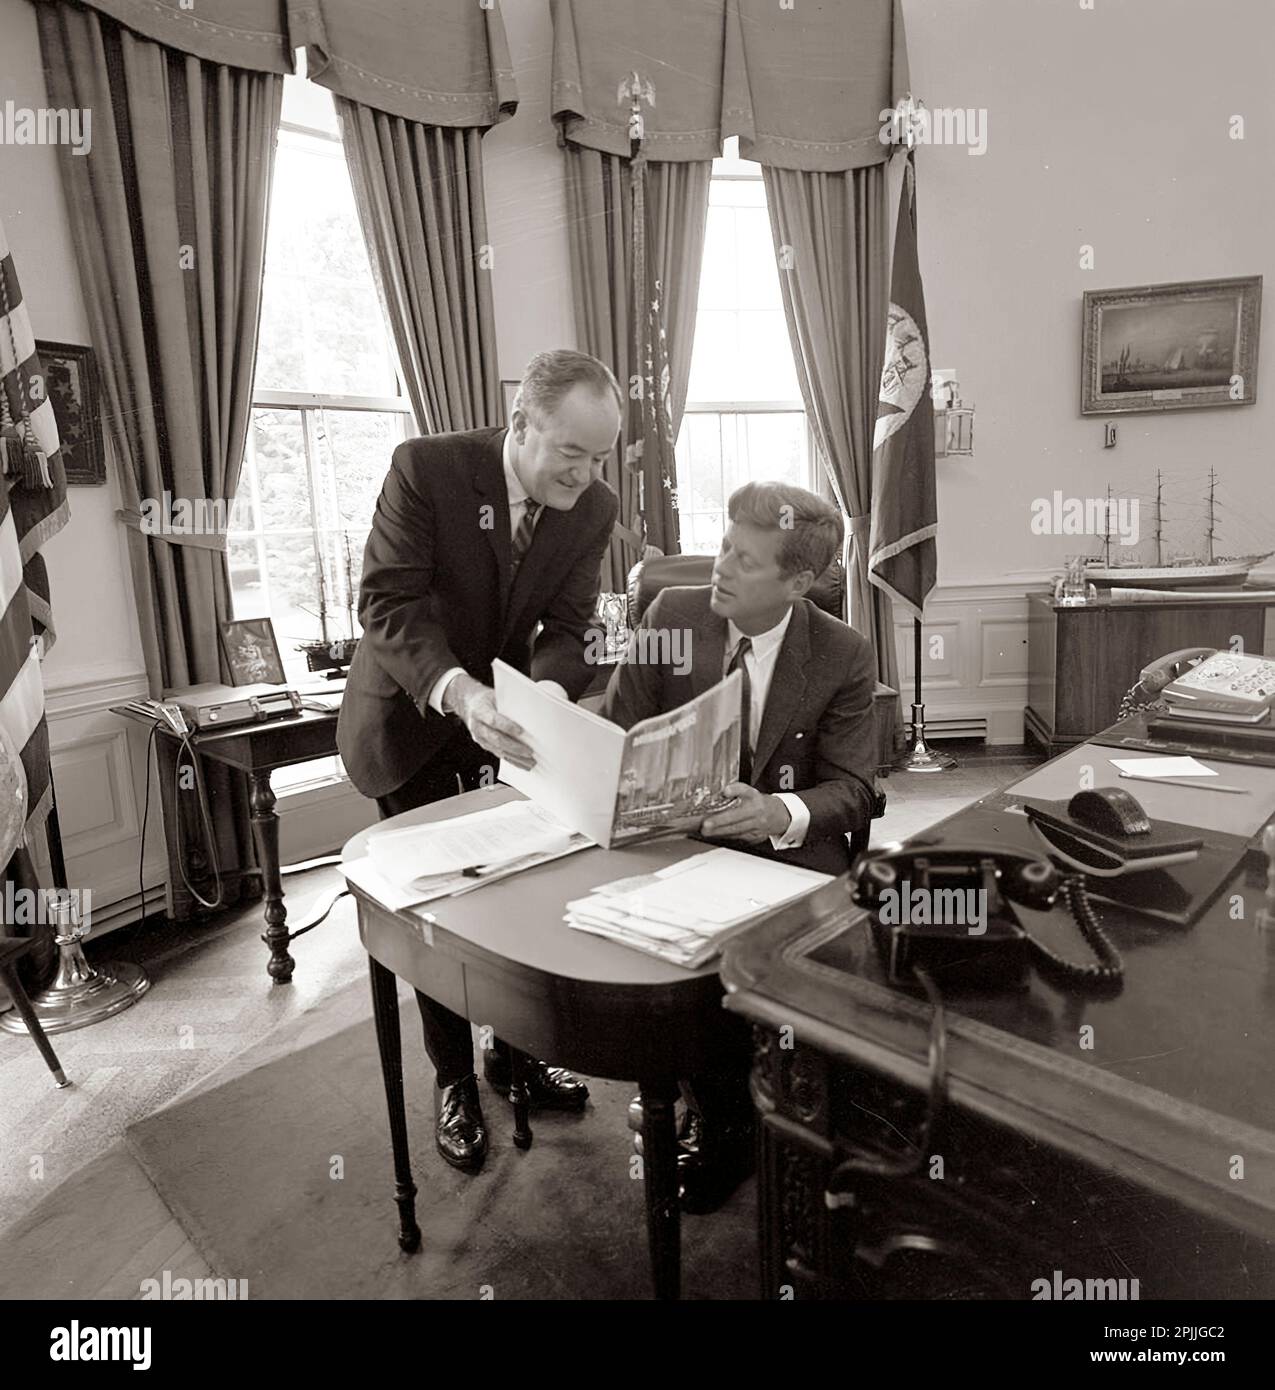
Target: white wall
1108, 127
527, 204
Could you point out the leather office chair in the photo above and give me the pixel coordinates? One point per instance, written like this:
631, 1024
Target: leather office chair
648, 577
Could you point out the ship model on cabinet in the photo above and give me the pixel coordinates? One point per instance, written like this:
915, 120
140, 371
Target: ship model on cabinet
1204, 570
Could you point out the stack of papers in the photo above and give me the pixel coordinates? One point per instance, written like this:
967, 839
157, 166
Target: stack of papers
444, 858
686, 912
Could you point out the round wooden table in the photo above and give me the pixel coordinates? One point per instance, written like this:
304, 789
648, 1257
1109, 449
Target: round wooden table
503, 956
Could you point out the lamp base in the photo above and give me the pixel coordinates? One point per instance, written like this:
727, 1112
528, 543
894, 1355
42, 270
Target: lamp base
81, 994
920, 757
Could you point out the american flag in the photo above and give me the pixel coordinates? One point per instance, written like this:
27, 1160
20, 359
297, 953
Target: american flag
33, 507
650, 454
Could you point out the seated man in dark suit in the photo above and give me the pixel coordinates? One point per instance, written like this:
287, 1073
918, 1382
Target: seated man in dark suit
479, 537
807, 751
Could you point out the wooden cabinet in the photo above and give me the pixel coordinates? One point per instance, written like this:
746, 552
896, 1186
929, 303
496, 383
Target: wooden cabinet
1082, 660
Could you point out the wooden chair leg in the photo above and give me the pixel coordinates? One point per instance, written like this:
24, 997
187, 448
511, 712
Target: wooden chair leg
9, 974
519, 1065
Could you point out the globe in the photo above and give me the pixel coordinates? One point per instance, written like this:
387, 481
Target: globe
13, 799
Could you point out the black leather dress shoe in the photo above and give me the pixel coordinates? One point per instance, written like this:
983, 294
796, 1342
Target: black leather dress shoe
712, 1162
460, 1133
549, 1088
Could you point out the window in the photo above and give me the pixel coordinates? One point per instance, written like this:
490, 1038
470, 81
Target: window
744, 415
328, 409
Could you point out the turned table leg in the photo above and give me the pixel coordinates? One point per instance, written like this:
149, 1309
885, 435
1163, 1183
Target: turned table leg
389, 1041
265, 833
659, 1158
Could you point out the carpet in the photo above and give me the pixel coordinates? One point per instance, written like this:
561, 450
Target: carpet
279, 1169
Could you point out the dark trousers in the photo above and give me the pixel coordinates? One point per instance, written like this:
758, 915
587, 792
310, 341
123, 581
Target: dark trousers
459, 767
721, 1096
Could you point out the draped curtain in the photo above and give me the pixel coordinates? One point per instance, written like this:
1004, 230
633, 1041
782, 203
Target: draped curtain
804, 89
600, 228
833, 232
419, 192
168, 216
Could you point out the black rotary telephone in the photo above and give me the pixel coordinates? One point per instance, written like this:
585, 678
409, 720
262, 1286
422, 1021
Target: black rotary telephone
947, 912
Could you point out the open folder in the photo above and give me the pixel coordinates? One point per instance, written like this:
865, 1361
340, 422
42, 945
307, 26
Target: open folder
665, 773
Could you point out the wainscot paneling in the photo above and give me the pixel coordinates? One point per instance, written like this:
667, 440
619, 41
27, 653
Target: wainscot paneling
974, 654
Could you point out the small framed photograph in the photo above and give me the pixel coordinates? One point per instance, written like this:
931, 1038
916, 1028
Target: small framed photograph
1171, 347
252, 652
70, 377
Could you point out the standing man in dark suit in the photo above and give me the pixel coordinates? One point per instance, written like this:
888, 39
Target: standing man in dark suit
807, 748
479, 537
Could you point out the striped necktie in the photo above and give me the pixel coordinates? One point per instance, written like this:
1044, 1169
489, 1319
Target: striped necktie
522, 536
737, 663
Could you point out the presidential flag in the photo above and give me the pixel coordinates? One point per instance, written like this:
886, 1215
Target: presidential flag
33, 507
902, 553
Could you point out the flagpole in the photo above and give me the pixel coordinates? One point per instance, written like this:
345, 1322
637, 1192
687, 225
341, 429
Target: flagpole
920, 757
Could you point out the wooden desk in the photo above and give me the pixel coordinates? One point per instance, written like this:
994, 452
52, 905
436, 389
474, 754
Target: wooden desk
502, 956
1082, 659
1148, 1154
257, 750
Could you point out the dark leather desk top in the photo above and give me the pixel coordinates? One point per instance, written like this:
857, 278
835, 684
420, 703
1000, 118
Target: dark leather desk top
1179, 1075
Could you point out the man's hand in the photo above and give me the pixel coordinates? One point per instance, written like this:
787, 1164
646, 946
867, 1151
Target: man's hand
753, 818
475, 704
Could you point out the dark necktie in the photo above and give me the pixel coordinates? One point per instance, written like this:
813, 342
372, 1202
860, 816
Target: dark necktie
522, 536
745, 709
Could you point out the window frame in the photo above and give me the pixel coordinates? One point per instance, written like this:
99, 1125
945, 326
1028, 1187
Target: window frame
308, 405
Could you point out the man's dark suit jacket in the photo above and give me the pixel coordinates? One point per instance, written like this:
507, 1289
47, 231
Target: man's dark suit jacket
436, 594
816, 737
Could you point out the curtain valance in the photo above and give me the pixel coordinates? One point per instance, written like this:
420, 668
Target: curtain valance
803, 87
250, 34
445, 63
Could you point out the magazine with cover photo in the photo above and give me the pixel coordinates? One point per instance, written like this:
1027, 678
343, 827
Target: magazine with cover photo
664, 774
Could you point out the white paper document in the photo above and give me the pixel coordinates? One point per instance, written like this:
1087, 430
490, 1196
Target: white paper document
666, 773
483, 840
685, 912
1164, 767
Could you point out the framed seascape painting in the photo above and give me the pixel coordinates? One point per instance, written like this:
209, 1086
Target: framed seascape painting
1171, 347
70, 375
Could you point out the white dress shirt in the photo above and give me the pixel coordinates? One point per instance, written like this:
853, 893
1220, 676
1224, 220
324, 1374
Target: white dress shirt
517, 497
760, 664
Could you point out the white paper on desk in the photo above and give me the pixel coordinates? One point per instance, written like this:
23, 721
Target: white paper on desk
1164, 767
365, 875
437, 850
578, 755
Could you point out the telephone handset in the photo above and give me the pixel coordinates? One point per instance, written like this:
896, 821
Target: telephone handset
962, 930
1200, 683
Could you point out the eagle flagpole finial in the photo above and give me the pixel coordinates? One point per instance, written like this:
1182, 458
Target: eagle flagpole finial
636, 90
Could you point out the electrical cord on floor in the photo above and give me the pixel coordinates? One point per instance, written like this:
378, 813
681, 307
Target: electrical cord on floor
146, 811
209, 833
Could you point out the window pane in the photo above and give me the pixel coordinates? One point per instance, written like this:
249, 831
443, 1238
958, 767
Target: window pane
354, 449
321, 324
306, 103
776, 446
279, 446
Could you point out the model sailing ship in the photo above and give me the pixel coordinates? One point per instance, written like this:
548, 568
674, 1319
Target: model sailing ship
1204, 571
